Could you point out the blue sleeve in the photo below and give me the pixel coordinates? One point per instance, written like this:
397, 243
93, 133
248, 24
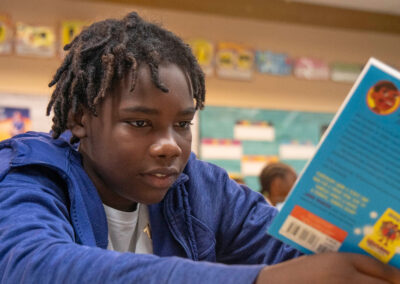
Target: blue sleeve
37, 244
243, 229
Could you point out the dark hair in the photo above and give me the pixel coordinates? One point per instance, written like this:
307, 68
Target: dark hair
272, 171
103, 52
384, 84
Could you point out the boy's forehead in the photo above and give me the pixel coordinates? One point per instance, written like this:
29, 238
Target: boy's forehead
140, 82
167, 73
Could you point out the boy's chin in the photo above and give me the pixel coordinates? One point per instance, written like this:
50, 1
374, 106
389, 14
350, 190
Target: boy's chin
152, 198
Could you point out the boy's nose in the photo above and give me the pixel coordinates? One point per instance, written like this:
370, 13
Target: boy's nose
165, 147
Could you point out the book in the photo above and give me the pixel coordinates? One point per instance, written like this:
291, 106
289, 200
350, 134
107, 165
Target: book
347, 198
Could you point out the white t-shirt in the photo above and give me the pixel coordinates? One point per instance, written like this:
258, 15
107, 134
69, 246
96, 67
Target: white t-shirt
129, 231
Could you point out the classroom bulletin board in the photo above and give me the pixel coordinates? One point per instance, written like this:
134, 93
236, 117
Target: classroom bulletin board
244, 140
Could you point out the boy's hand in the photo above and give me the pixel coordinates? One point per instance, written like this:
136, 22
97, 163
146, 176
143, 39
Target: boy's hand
330, 268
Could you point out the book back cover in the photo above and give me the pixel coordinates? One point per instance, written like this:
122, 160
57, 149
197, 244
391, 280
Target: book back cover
348, 196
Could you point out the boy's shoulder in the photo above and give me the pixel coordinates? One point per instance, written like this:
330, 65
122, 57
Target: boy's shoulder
204, 176
196, 168
34, 148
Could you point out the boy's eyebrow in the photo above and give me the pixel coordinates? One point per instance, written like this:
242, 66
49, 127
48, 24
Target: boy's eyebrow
189, 111
142, 109
147, 110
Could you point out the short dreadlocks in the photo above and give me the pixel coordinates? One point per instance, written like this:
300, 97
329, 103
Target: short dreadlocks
103, 52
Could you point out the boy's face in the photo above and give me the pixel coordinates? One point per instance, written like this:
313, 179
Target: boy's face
385, 98
280, 188
140, 142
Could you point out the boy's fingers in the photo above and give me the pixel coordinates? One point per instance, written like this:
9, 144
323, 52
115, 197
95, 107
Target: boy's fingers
364, 279
373, 267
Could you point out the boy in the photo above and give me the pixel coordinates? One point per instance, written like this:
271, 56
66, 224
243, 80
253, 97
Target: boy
127, 91
276, 180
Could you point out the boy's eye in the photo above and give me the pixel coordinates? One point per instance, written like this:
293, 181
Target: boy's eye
184, 124
139, 123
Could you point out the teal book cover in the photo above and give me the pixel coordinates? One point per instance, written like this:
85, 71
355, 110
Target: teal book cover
347, 198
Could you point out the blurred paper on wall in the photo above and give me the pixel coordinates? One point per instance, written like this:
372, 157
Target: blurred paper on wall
6, 35
35, 40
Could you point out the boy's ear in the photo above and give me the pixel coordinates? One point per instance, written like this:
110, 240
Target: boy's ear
77, 123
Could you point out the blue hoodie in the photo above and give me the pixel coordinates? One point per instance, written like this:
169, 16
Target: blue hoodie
53, 228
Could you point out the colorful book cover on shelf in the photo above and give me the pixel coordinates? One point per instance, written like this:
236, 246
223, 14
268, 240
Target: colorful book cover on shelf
6, 35
69, 29
234, 61
35, 40
345, 72
273, 63
204, 52
348, 196
310, 68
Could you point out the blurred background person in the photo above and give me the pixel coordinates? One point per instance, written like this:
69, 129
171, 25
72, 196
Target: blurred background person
276, 180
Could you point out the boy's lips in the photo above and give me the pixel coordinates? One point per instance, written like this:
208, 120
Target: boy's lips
161, 178
389, 103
